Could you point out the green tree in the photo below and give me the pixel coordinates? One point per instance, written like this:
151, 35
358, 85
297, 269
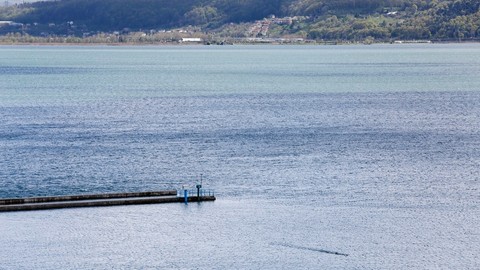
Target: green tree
203, 15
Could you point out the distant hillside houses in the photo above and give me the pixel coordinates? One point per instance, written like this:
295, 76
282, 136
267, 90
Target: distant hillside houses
260, 28
282, 21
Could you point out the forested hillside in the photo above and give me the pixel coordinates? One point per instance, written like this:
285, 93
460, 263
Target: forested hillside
313, 19
117, 14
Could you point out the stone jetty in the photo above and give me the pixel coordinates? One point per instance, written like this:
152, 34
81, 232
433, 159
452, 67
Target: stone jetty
107, 199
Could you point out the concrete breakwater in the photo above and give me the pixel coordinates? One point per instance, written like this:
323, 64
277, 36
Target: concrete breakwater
93, 200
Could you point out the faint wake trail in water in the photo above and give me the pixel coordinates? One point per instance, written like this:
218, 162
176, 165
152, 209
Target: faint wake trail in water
309, 248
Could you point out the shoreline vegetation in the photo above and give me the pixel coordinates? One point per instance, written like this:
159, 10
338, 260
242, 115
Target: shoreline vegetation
131, 41
234, 44
226, 22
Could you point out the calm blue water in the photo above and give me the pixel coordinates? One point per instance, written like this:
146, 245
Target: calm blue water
368, 151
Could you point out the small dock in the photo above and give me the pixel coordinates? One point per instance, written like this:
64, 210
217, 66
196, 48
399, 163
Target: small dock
108, 199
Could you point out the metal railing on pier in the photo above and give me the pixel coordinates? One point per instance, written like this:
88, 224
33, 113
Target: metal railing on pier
194, 192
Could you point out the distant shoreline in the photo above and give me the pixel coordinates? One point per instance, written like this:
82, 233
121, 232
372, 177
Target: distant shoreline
237, 44
9, 41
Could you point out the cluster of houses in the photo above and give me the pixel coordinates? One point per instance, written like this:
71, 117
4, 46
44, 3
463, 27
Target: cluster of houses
260, 28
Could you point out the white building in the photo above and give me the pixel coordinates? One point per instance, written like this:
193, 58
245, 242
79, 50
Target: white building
10, 23
191, 40
5, 23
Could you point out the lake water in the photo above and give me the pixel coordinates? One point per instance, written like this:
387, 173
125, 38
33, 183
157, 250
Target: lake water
322, 157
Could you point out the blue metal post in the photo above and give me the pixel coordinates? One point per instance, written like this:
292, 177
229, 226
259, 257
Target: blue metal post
185, 195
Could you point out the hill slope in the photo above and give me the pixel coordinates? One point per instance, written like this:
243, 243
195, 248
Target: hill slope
321, 19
